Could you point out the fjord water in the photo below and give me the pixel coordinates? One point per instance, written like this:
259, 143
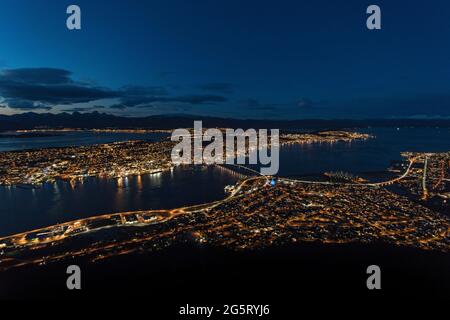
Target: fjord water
73, 138
24, 209
370, 155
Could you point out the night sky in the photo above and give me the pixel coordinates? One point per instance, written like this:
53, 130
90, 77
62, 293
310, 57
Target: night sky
234, 58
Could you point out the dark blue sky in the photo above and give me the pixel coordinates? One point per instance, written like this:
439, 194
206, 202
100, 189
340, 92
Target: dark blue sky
234, 58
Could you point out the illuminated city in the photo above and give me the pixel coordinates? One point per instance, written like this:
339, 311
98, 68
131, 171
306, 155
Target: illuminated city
225, 159
254, 214
116, 160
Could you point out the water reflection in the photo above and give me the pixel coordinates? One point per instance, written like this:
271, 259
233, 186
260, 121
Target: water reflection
26, 209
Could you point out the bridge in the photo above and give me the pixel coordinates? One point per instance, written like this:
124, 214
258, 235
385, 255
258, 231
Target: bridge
368, 184
237, 168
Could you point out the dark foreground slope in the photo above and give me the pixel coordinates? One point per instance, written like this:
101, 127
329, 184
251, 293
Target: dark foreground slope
280, 276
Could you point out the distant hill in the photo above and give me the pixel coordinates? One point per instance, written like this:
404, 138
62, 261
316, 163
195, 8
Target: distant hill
95, 119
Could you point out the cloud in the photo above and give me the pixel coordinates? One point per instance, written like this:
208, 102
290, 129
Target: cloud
144, 91
219, 87
52, 94
145, 97
42, 88
25, 105
147, 101
118, 106
84, 109
254, 104
37, 75
198, 99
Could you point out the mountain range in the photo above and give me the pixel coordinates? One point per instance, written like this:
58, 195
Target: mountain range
30, 120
